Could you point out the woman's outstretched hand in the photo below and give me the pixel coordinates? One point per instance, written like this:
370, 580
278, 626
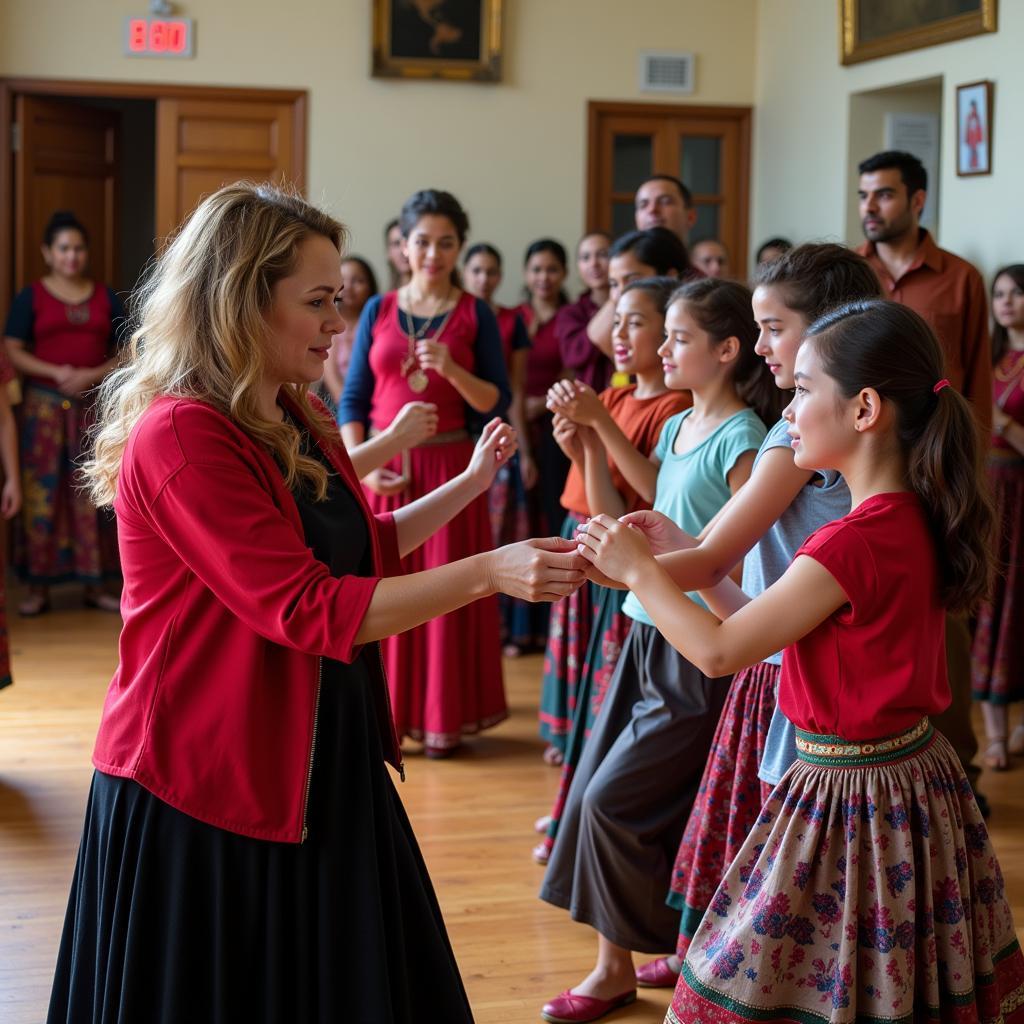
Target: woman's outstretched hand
497, 444
543, 569
617, 549
662, 533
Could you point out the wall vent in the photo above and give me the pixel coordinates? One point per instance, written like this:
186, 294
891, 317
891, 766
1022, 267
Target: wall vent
663, 71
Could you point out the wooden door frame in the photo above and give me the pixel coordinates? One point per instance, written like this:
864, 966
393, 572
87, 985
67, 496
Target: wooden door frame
598, 109
86, 89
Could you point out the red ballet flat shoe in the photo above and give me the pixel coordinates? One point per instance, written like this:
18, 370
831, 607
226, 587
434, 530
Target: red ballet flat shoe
572, 1009
656, 974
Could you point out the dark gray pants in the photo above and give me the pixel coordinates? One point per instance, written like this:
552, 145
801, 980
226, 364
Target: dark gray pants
632, 793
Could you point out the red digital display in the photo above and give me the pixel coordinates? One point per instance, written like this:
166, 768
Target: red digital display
158, 37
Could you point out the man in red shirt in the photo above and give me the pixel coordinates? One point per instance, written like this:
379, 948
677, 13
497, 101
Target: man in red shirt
950, 294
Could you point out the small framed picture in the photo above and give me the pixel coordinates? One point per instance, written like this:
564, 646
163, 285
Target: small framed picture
974, 128
455, 39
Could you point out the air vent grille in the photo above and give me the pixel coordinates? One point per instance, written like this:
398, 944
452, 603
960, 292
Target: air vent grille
661, 71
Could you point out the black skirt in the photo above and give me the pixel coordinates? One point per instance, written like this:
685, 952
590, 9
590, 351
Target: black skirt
173, 921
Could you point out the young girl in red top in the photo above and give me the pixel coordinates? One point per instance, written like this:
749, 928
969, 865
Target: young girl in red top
868, 889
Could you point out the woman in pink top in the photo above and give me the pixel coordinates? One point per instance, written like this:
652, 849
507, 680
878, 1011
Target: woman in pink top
868, 889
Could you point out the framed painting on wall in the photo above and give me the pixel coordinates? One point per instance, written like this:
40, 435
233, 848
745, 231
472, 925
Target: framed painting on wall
879, 28
455, 39
974, 128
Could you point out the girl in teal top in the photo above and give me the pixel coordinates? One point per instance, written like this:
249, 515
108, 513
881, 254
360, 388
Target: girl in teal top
635, 784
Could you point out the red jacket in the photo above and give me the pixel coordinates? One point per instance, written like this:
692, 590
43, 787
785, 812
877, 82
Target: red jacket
226, 616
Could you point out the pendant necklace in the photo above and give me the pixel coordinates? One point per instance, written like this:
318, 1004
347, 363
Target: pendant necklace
415, 376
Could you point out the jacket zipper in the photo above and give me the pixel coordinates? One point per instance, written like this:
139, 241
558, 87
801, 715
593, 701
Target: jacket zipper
391, 714
312, 750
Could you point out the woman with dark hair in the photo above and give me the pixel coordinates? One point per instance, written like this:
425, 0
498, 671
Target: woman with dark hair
359, 285
771, 249
62, 336
868, 888
482, 274
998, 654
398, 262
430, 341
587, 355
545, 269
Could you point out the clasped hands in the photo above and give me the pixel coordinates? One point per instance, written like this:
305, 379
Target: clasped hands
618, 550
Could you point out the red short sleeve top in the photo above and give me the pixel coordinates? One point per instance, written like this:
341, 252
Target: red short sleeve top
878, 665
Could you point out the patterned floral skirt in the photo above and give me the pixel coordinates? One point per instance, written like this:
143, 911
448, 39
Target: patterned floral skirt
729, 799
868, 891
607, 635
568, 633
997, 659
63, 536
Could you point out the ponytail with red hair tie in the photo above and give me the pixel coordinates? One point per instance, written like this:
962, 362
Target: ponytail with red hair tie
941, 384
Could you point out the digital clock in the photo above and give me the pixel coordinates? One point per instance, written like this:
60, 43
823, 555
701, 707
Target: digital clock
158, 37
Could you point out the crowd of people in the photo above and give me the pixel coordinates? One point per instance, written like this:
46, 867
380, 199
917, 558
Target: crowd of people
767, 534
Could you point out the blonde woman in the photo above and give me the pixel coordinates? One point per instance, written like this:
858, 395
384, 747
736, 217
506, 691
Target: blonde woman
245, 853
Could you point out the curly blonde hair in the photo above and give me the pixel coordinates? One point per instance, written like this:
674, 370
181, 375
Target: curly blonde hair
201, 332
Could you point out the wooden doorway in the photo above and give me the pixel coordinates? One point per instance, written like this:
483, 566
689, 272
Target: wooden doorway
61, 149
707, 147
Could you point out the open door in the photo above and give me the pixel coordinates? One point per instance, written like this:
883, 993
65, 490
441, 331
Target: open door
204, 144
65, 159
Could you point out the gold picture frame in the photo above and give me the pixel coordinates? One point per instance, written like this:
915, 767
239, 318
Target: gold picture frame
869, 29
459, 40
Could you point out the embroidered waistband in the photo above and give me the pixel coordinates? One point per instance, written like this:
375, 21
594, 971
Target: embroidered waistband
834, 750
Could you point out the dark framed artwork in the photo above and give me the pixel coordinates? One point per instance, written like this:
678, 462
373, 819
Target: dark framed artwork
974, 128
456, 39
879, 28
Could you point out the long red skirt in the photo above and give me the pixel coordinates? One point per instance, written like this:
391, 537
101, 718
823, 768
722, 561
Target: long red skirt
729, 799
445, 676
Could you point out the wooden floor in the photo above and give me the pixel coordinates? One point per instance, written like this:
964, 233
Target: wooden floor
473, 816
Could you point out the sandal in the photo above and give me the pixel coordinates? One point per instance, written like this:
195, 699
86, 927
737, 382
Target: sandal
34, 604
541, 824
553, 756
1016, 743
542, 852
996, 756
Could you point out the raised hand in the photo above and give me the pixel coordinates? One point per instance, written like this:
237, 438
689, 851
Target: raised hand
385, 482
497, 444
617, 549
567, 436
415, 422
662, 533
544, 569
434, 355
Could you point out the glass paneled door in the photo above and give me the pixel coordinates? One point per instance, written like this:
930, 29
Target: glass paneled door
707, 147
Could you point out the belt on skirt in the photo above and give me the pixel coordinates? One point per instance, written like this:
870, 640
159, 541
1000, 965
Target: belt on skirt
448, 437
836, 752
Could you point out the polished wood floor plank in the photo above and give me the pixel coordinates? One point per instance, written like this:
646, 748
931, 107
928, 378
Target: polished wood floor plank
473, 815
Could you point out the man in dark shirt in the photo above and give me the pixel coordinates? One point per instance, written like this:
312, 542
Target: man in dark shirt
950, 294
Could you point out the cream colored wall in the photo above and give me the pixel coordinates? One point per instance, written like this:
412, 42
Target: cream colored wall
868, 111
514, 153
801, 137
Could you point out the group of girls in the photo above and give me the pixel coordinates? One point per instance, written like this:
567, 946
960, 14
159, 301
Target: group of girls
831, 862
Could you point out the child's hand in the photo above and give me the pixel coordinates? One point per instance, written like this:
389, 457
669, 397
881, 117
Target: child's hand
496, 446
617, 549
662, 534
567, 436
